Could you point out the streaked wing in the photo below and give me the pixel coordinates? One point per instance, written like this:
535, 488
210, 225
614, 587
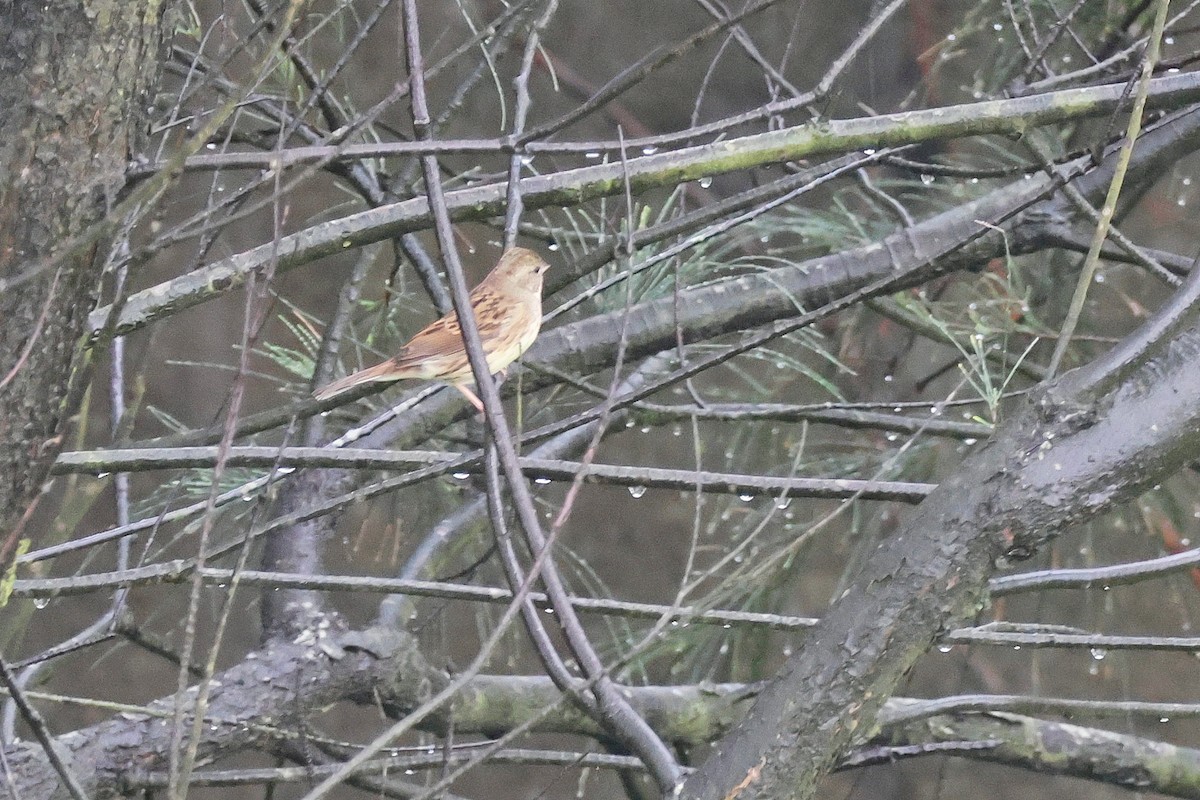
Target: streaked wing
495, 316
436, 340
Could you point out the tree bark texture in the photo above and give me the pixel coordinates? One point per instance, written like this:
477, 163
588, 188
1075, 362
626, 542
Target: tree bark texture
74, 79
1097, 437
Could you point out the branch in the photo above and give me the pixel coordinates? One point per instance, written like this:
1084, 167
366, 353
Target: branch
543, 469
344, 666
1071, 453
283, 684
1060, 748
575, 186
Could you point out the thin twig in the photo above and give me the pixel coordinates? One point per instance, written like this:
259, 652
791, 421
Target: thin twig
1092, 261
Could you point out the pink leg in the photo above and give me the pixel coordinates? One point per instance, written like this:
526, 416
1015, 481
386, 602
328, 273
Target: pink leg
471, 398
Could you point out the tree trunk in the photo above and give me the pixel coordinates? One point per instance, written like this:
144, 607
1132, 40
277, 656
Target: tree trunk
74, 81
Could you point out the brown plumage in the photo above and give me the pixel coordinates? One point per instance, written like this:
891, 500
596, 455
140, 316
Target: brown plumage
508, 312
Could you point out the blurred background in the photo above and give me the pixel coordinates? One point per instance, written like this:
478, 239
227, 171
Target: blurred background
759, 552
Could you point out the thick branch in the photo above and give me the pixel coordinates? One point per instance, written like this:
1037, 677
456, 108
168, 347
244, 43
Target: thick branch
267, 695
353, 665
1069, 455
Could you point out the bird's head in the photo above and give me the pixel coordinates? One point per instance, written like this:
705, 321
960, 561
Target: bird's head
519, 269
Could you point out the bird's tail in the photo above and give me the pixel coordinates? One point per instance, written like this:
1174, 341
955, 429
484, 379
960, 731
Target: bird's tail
380, 372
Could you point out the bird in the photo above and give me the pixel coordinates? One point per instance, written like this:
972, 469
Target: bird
508, 312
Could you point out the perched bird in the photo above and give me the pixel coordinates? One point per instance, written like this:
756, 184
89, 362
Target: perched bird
508, 312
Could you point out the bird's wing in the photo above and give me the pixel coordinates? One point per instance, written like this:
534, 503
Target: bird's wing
441, 338
436, 340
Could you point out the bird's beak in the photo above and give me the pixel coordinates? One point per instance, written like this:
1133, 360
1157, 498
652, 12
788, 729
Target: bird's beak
542, 269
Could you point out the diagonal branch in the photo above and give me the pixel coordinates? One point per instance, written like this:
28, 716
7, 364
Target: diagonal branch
575, 186
1071, 453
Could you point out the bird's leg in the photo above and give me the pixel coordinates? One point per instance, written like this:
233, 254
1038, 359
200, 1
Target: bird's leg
471, 397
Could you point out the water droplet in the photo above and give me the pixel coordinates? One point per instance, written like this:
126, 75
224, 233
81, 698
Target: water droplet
945, 648
461, 476
928, 179
782, 502
1099, 653
649, 150
636, 491
553, 247
705, 182
592, 154
541, 481
41, 602
745, 497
